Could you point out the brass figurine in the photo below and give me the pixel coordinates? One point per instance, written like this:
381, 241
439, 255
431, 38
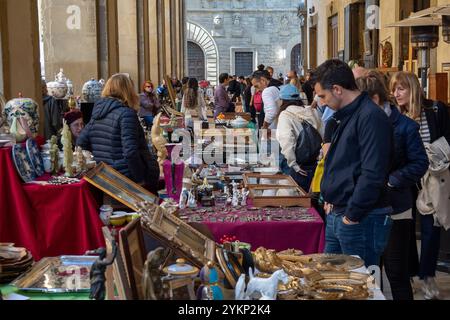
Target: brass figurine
98, 270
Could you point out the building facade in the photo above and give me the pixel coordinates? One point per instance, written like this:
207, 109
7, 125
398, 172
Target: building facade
357, 30
235, 36
95, 39
88, 39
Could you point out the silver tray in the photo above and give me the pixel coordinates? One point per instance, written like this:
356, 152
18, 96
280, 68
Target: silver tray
58, 275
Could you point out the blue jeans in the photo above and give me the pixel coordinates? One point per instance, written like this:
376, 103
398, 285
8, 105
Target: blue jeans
366, 239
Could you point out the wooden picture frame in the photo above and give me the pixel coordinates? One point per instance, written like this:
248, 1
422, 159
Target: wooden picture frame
118, 186
177, 235
132, 248
268, 190
116, 276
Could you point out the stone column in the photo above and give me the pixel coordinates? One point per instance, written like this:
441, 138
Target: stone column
20, 51
143, 37
108, 43
181, 40
128, 39
168, 34
70, 40
154, 40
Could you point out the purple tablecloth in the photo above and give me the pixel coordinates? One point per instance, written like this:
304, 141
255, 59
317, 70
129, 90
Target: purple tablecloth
308, 236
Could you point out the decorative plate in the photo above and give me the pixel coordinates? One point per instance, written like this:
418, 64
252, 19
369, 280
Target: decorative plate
338, 261
23, 163
35, 156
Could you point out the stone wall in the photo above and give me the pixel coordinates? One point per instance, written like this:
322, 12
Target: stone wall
269, 28
94, 39
69, 36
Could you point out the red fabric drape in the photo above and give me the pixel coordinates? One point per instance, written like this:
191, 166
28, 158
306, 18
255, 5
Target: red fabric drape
47, 220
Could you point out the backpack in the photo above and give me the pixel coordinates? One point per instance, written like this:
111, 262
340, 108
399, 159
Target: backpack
309, 144
257, 101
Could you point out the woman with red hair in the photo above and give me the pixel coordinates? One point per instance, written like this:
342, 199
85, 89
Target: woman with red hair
148, 103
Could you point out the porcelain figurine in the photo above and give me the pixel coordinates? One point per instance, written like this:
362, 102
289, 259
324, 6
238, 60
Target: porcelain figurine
192, 202
245, 194
92, 91
67, 149
183, 199
210, 289
260, 288
235, 199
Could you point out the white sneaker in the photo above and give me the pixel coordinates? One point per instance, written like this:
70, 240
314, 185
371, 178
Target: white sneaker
430, 289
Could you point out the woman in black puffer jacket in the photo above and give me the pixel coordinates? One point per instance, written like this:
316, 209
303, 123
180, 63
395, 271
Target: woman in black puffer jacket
115, 136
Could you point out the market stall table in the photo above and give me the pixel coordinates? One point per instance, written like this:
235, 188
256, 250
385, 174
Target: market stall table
7, 290
273, 228
47, 220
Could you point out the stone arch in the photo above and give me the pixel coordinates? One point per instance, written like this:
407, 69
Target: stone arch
292, 43
199, 35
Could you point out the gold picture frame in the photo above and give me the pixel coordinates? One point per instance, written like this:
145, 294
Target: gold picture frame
177, 235
118, 186
173, 98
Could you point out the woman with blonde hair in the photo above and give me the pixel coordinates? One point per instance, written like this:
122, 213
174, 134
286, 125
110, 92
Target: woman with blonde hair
434, 122
115, 136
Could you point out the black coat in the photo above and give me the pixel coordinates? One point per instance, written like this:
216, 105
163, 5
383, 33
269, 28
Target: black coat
115, 137
410, 161
438, 119
359, 160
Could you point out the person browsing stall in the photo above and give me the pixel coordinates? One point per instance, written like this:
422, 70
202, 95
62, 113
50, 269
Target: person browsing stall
357, 167
115, 136
409, 166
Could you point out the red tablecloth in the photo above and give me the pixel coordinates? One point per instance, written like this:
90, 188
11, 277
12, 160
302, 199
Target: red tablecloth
47, 220
308, 236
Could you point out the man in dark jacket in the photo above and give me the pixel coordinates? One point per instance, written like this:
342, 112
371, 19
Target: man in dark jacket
115, 137
234, 88
53, 112
357, 167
